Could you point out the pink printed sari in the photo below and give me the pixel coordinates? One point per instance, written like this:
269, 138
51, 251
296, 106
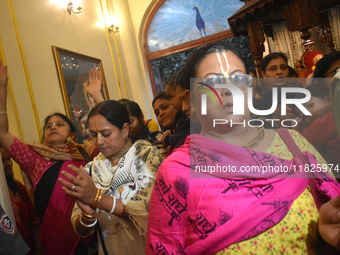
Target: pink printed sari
197, 213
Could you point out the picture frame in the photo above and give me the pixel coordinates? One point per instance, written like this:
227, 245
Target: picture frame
73, 69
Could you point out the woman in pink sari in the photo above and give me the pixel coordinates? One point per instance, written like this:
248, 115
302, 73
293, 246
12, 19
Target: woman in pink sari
44, 164
236, 188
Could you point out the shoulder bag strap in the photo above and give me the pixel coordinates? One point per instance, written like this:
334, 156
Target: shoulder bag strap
289, 141
287, 138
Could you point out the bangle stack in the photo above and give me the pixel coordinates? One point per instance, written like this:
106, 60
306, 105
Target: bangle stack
97, 198
3, 112
89, 218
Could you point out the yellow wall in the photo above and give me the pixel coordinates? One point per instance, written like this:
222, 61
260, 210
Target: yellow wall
29, 29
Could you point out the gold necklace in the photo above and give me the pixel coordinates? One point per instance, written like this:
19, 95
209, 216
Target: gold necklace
122, 152
258, 138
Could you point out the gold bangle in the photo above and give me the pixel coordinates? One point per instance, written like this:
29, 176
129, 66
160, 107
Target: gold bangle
95, 201
97, 198
3, 112
88, 216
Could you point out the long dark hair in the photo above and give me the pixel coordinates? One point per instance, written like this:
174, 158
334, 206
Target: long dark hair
64, 118
190, 68
134, 109
113, 111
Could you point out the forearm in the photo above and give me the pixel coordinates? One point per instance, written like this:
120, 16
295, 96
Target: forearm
84, 224
97, 97
6, 138
106, 204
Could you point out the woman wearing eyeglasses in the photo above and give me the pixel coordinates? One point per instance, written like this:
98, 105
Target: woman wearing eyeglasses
212, 195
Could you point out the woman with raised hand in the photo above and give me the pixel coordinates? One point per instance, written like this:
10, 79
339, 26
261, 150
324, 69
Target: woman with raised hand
44, 163
115, 188
217, 194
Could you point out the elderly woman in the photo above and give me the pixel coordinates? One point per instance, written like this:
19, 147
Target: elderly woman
44, 163
114, 189
194, 210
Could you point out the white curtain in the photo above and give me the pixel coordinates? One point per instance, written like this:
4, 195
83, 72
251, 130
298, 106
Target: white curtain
271, 44
334, 18
287, 42
298, 43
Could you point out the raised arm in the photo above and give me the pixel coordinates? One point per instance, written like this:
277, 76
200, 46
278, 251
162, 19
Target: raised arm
93, 87
6, 138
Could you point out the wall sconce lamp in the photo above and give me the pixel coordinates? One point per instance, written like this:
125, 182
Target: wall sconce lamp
71, 8
112, 24
113, 28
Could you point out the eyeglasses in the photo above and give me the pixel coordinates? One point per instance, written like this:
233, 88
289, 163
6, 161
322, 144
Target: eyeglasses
333, 71
240, 80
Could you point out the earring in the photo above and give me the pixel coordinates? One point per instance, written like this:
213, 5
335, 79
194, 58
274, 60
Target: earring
126, 137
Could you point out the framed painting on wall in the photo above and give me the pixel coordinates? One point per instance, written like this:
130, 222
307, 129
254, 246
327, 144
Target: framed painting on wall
73, 71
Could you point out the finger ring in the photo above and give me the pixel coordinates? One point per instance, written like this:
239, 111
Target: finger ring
73, 187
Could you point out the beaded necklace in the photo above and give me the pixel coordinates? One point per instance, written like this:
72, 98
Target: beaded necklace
122, 152
258, 138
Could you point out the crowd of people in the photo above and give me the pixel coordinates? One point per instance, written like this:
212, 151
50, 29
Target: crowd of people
139, 188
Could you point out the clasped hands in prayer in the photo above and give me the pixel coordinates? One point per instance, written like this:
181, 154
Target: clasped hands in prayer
81, 187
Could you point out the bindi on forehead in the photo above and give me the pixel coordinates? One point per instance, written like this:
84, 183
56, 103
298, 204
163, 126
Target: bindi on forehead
54, 120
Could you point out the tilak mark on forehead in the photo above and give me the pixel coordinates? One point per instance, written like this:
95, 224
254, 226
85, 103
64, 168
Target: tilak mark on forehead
225, 73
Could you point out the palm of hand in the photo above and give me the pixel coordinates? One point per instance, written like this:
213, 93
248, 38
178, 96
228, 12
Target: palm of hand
93, 86
95, 82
